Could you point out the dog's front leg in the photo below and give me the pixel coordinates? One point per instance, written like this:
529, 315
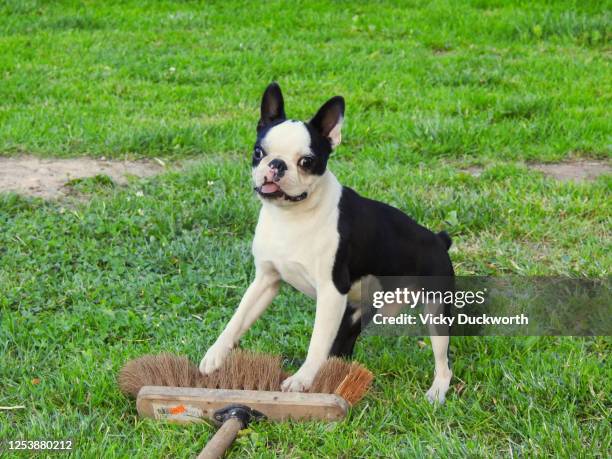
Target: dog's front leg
330, 309
256, 299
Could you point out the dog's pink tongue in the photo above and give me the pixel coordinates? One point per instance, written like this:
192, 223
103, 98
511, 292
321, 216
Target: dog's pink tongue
269, 188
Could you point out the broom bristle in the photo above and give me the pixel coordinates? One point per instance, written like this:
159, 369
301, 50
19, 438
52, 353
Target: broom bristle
157, 370
355, 384
246, 370
329, 376
242, 370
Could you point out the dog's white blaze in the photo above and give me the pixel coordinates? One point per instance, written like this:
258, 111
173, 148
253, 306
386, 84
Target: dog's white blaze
286, 140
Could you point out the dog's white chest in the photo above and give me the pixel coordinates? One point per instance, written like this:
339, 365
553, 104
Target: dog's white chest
298, 275
292, 253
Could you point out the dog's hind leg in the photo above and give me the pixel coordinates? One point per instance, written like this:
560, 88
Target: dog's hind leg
349, 331
440, 340
442, 374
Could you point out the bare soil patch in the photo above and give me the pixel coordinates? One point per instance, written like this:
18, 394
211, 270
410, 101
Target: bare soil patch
47, 178
575, 171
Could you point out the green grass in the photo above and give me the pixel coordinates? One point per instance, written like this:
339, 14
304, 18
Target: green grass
487, 79
162, 263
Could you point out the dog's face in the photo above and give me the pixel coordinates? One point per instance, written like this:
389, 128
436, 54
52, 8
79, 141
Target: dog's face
290, 157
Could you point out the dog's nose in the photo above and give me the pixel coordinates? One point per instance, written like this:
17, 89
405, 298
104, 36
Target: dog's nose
279, 166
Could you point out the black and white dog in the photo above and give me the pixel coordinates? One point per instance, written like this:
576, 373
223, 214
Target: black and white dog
323, 239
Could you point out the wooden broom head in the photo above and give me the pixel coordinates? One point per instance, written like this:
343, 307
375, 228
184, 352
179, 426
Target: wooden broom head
242, 370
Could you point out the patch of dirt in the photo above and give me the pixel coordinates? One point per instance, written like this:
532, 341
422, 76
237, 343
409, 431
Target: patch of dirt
474, 171
575, 171
46, 178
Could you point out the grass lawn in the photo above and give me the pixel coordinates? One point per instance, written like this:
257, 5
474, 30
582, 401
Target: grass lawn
431, 88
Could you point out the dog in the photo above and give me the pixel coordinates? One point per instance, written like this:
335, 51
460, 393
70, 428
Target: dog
324, 239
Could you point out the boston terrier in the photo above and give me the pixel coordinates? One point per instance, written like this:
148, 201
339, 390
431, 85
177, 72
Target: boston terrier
323, 239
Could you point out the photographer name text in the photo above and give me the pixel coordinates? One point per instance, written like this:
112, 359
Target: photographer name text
441, 319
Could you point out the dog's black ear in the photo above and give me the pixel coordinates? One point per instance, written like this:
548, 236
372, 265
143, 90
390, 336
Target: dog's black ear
328, 120
272, 106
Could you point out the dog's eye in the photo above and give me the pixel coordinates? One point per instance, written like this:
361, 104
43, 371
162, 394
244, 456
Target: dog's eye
258, 153
306, 162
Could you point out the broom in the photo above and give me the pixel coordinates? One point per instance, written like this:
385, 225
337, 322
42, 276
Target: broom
245, 388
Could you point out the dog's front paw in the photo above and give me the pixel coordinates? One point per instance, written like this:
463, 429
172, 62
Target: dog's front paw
437, 391
299, 382
214, 357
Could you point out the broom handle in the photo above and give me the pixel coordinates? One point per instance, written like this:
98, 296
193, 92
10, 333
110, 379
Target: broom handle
222, 439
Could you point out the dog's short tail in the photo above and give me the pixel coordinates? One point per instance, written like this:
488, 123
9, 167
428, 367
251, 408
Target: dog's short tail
446, 239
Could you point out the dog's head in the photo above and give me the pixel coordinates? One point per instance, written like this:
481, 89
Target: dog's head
290, 157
